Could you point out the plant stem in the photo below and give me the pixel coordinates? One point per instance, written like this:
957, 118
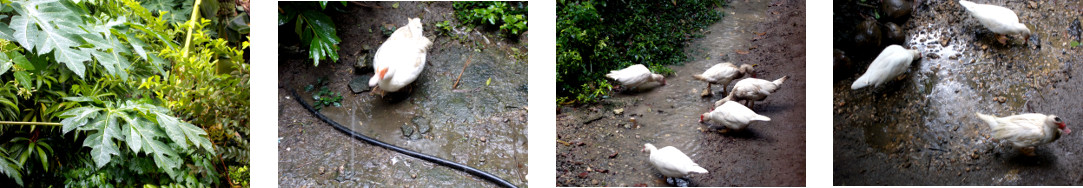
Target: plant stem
461, 72
29, 123
192, 24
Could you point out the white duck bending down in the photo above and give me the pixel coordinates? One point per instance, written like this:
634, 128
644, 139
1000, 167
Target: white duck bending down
672, 162
1025, 131
635, 76
722, 73
998, 19
892, 62
751, 90
400, 59
732, 116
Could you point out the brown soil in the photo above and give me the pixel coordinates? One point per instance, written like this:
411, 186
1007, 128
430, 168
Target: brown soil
596, 149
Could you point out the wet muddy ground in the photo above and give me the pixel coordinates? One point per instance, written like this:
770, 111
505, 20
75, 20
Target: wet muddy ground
920, 129
482, 123
599, 146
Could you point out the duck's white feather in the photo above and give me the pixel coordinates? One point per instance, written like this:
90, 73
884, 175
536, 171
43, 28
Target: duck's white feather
671, 162
891, 62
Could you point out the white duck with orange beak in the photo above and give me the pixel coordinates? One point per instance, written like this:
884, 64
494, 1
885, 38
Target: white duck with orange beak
400, 59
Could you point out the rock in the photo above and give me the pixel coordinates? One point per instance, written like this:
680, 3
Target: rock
423, 125
1074, 30
614, 155
868, 36
618, 111
897, 10
842, 65
360, 84
364, 63
893, 34
322, 170
595, 182
407, 130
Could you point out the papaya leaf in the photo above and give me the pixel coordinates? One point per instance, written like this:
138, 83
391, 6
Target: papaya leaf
77, 117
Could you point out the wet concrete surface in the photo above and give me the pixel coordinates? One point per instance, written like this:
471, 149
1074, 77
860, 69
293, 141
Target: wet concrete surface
920, 129
481, 123
598, 145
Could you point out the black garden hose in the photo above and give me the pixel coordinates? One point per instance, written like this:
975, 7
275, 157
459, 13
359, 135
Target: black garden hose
437, 160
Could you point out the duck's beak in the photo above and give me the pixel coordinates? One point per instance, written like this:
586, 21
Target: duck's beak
382, 72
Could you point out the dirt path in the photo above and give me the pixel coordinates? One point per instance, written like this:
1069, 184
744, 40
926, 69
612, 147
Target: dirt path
601, 151
482, 123
921, 129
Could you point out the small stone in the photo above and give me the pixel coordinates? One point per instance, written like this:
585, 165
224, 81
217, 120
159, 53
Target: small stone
482, 139
360, 84
407, 130
322, 170
413, 176
614, 155
582, 175
619, 111
595, 182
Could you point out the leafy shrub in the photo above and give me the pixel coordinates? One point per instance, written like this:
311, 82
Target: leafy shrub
510, 17
315, 28
136, 107
594, 37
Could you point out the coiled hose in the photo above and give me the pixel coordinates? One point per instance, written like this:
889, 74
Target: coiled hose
482, 174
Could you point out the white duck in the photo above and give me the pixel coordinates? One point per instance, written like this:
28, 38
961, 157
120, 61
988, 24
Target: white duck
892, 62
672, 162
732, 116
722, 73
400, 59
635, 76
998, 19
1025, 131
752, 90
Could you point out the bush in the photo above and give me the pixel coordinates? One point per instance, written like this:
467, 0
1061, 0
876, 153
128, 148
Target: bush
510, 17
141, 99
594, 37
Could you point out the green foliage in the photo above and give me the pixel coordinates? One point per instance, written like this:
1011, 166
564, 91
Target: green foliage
10, 167
323, 96
315, 29
239, 175
595, 37
140, 111
509, 16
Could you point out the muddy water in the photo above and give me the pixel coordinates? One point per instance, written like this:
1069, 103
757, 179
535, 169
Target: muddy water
599, 145
481, 123
922, 126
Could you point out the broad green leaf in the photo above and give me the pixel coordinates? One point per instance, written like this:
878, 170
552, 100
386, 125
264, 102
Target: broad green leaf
21, 61
137, 45
321, 30
44, 158
164, 156
134, 136
5, 63
196, 135
101, 148
74, 59
172, 129
78, 117
9, 168
23, 77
